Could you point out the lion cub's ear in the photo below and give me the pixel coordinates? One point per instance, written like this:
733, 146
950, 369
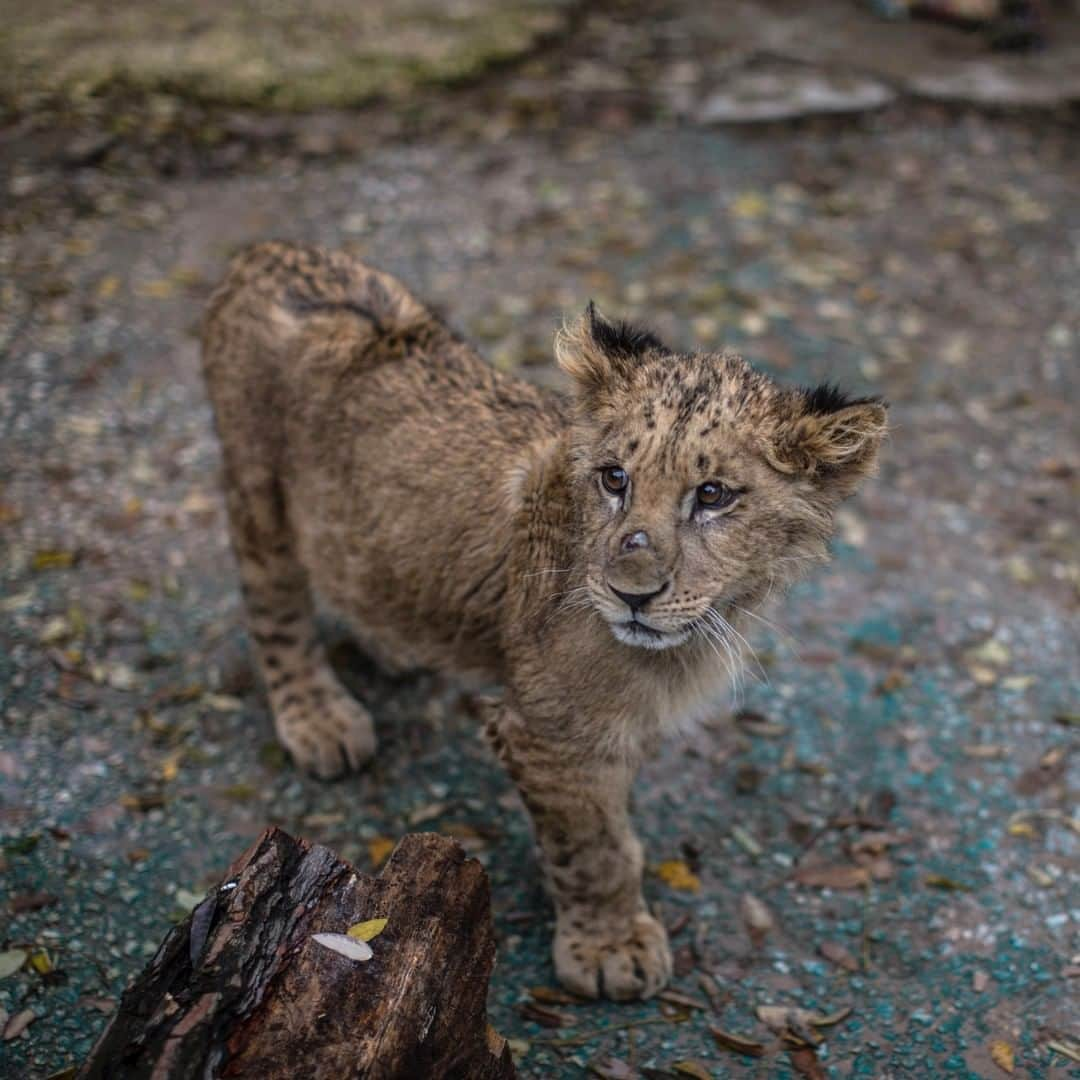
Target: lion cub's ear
830, 437
597, 353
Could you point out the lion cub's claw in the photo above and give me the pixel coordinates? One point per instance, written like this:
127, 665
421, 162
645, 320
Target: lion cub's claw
621, 959
326, 730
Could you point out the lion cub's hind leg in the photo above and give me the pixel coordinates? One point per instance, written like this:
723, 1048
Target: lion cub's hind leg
324, 728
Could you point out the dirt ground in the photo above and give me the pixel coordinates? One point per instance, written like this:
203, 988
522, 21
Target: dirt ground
899, 788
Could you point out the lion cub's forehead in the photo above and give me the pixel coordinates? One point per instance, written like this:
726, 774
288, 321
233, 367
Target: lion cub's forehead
692, 412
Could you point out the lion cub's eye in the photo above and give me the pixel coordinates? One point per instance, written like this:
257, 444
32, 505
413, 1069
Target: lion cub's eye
714, 496
614, 479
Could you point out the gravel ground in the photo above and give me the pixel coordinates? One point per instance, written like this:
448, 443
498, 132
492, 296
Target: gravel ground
899, 788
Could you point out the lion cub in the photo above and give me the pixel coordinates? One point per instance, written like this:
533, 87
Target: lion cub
595, 554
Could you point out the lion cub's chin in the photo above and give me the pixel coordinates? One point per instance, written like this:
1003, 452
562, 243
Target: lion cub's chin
645, 637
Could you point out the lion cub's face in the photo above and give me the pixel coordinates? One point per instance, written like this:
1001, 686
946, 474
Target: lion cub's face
702, 483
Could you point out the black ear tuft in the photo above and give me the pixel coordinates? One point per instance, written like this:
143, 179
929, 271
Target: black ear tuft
828, 398
621, 338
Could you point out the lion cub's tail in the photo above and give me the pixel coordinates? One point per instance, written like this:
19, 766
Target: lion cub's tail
281, 291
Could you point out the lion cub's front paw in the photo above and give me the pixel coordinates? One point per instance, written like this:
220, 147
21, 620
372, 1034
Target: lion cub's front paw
324, 728
616, 957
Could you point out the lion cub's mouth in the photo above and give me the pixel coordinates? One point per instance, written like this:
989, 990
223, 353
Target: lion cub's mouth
633, 632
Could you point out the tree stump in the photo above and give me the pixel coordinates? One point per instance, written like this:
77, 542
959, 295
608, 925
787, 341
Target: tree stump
241, 989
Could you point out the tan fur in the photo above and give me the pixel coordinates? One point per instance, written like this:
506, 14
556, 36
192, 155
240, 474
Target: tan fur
457, 519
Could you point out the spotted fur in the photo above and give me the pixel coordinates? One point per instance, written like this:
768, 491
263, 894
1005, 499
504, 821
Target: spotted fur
458, 519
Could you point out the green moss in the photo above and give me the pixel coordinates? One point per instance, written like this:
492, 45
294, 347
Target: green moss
283, 55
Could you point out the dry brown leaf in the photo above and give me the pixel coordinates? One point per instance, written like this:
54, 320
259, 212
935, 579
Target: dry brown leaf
940, 881
739, 1043
683, 1001
545, 1015
611, 1068
836, 954
18, 1024
756, 916
692, 1068
806, 1063
791, 1024
552, 995
877, 840
833, 876
1003, 1055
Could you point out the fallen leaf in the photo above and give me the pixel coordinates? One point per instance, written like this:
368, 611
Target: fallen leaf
1003, 1055
805, 1062
836, 954
746, 841
18, 1024
427, 813
552, 995
33, 901
365, 931
143, 801
107, 287
53, 559
940, 881
518, 1047
240, 792
11, 961
979, 981
791, 1024
345, 946
683, 1001
739, 1043
223, 702
877, 840
159, 289
830, 1019
799, 1025
692, 1068
756, 916
986, 751
833, 876
379, 847
1065, 1047
101, 1004
545, 1016
991, 652
749, 205
611, 1068
678, 875
41, 962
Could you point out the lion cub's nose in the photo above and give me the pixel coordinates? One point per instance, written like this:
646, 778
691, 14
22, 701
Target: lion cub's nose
635, 541
636, 601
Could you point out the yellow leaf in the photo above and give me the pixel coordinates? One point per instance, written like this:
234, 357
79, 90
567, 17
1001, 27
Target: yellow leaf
161, 289
40, 962
379, 848
107, 286
750, 204
365, 931
1003, 1055
678, 875
53, 560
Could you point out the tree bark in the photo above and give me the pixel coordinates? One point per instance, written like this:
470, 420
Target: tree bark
240, 989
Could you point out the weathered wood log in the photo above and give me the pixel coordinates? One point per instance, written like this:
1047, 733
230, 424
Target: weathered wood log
241, 989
